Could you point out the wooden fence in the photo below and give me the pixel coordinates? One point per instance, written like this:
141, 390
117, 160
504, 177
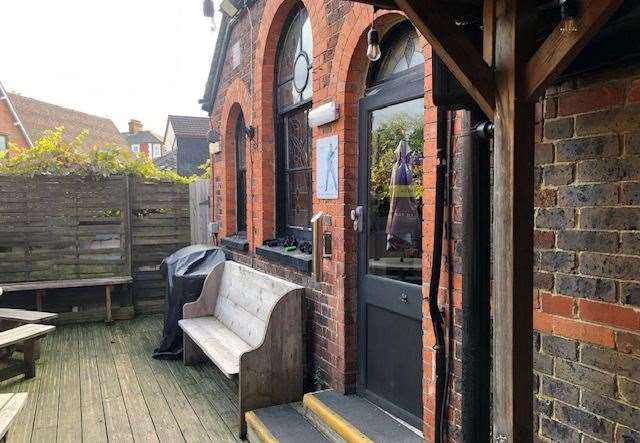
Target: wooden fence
199, 211
159, 226
56, 228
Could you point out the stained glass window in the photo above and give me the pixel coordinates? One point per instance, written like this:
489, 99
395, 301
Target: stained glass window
295, 62
294, 90
402, 53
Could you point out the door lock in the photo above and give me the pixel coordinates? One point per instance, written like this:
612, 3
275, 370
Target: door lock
404, 297
357, 215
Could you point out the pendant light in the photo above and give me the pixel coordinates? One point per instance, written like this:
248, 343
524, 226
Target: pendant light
373, 41
568, 14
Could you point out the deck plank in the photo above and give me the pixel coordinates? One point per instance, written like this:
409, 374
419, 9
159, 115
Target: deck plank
98, 384
69, 406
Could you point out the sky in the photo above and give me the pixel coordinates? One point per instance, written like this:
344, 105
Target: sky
121, 59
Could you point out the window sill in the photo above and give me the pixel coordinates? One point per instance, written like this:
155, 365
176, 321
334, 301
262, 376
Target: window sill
236, 243
296, 259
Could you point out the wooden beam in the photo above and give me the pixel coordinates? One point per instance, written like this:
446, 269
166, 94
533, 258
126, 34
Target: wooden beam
454, 48
512, 230
561, 48
488, 31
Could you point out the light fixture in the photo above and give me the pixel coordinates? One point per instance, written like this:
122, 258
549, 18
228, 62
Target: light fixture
323, 114
373, 45
373, 40
228, 8
568, 14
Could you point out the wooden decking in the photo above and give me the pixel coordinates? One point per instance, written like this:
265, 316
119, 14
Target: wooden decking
97, 383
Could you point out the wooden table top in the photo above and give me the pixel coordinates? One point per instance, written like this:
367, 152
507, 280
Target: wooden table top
25, 316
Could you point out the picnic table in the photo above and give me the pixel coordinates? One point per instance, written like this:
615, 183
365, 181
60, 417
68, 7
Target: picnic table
10, 318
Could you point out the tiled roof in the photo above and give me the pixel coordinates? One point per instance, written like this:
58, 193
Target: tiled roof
169, 161
38, 116
141, 137
185, 126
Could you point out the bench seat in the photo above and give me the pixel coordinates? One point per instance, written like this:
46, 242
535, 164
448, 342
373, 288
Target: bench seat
249, 324
223, 346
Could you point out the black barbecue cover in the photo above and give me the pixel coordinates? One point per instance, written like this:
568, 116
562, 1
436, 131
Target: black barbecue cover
184, 272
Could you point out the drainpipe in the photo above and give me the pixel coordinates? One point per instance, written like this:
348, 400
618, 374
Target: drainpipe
476, 273
434, 281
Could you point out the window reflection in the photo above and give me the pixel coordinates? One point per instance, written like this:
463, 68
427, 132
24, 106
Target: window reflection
395, 196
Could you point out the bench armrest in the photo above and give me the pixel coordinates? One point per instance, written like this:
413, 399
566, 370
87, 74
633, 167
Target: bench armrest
206, 304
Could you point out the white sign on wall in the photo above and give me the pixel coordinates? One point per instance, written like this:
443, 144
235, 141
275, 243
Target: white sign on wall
327, 168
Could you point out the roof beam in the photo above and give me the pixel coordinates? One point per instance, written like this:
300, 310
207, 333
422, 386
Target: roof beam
561, 48
455, 50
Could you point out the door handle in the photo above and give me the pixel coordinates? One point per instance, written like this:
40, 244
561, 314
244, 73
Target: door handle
357, 215
404, 298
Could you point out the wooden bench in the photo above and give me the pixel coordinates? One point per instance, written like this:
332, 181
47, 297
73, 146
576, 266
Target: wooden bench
27, 336
10, 318
10, 406
41, 286
250, 325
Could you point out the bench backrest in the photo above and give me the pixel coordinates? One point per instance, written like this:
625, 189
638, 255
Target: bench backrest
246, 298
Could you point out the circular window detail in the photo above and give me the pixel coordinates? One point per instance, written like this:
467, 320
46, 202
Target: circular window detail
301, 72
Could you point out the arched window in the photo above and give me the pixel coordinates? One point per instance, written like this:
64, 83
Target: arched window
401, 54
294, 87
241, 176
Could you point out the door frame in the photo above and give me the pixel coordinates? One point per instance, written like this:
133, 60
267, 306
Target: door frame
405, 87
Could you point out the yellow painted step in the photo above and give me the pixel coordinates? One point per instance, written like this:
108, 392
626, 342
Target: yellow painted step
335, 422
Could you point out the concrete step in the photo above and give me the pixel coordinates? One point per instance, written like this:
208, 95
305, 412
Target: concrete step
283, 424
350, 418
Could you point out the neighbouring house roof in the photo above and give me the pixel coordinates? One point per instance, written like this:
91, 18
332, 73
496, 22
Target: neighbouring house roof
14, 114
38, 116
141, 137
185, 126
168, 161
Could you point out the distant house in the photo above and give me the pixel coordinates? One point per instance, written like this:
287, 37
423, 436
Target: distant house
30, 118
186, 144
11, 128
141, 141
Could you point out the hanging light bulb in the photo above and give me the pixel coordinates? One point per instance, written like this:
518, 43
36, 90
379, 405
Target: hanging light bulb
568, 14
373, 40
373, 45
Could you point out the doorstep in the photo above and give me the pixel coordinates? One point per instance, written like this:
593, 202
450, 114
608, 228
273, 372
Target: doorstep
328, 416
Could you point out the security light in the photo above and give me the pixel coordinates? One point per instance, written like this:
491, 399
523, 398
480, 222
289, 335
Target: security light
228, 8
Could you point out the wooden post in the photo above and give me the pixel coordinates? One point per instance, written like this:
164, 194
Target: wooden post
29, 358
513, 224
39, 297
107, 292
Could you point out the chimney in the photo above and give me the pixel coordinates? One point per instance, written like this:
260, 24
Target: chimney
135, 126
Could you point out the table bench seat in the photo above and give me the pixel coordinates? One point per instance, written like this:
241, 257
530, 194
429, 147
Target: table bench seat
26, 335
219, 343
10, 406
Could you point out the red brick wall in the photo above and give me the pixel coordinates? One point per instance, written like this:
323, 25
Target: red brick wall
8, 127
573, 121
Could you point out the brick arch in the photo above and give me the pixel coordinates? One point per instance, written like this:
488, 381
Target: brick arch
273, 20
236, 100
349, 75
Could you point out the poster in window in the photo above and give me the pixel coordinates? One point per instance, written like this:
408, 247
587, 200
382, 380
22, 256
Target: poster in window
327, 168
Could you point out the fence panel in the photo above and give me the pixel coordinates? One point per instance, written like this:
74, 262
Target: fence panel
56, 228
159, 227
199, 211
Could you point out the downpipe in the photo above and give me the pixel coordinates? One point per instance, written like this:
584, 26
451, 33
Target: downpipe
476, 272
436, 261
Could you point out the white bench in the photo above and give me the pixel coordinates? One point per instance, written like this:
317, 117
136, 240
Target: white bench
249, 324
